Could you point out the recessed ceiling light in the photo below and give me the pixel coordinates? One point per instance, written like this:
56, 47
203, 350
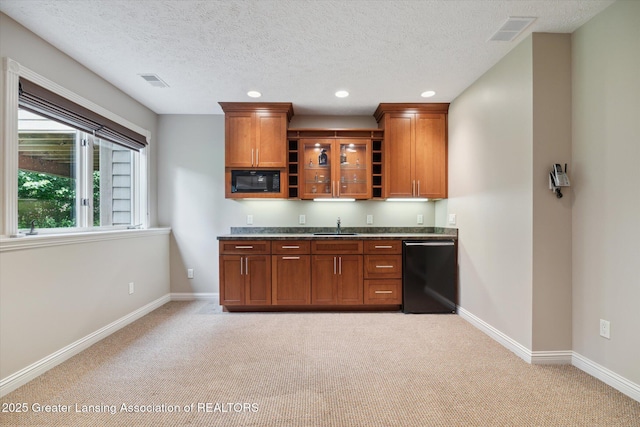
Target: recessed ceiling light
254, 94
342, 94
427, 94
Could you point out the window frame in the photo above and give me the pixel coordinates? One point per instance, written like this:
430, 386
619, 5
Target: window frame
12, 71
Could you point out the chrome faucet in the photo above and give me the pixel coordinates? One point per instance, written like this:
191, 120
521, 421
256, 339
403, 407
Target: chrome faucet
338, 226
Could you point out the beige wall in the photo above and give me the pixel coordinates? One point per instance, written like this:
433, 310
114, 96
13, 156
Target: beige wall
51, 297
606, 188
551, 325
490, 191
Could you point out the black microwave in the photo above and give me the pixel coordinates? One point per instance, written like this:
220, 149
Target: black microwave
255, 181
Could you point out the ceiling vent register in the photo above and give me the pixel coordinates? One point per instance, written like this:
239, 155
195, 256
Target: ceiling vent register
154, 80
512, 28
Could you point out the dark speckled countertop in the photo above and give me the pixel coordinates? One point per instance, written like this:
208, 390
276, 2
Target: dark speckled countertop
362, 233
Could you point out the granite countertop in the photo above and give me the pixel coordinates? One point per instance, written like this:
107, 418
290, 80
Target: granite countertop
362, 233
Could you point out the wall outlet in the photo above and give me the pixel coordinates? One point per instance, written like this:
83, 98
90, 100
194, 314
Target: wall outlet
369, 219
302, 219
605, 329
452, 219
189, 273
131, 288
249, 219
420, 219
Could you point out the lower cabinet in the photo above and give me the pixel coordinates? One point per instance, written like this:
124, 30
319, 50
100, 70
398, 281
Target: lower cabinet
247, 280
291, 280
310, 273
245, 273
336, 280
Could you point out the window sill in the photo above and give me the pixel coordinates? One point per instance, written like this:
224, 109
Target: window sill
48, 240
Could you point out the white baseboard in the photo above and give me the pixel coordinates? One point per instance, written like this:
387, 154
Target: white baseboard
32, 371
521, 351
605, 375
189, 296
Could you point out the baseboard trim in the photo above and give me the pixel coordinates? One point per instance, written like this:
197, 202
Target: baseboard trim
592, 368
189, 296
506, 341
38, 368
562, 357
607, 376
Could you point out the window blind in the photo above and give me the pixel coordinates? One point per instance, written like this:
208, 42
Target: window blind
39, 100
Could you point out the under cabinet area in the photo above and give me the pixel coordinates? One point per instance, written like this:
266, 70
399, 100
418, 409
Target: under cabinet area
310, 274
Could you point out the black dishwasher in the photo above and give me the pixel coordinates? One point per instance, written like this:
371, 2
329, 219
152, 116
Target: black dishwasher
429, 276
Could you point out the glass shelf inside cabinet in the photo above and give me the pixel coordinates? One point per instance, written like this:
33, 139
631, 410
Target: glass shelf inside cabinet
316, 166
354, 176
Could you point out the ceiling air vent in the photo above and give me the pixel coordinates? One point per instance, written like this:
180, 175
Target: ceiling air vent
512, 28
154, 80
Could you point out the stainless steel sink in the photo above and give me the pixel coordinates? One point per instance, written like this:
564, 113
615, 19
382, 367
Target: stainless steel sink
335, 234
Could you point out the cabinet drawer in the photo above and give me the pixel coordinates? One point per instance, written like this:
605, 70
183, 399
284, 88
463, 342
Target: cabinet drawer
383, 291
336, 247
383, 266
245, 247
383, 247
291, 247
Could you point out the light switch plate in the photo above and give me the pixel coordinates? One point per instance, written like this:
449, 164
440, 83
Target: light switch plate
369, 219
190, 273
420, 219
452, 219
302, 219
249, 219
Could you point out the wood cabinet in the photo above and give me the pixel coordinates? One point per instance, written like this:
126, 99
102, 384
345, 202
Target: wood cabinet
326, 273
256, 134
245, 272
415, 149
290, 273
334, 168
383, 272
337, 272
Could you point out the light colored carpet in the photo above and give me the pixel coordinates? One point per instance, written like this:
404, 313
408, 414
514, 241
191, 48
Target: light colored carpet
311, 369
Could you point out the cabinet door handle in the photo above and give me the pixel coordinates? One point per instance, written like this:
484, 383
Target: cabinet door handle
290, 257
384, 266
418, 188
241, 267
257, 156
383, 292
244, 247
340, 265
290, 247
383, 247
246, 266
334, 265
413, 188
252, 157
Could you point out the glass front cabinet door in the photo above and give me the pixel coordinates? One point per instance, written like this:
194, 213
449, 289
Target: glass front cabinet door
334, 168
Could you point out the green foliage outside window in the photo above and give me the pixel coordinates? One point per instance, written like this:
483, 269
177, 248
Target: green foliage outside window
50, 200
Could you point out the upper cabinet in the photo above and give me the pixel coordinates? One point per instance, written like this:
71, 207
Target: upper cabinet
256, 134
335, 163
415, 149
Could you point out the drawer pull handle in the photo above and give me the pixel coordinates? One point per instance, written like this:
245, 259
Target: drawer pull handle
383, 292
384, 247
384, 266
244, 247
291, 247
290, 257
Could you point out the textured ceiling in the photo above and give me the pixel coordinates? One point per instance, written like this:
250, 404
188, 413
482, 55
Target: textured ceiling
298, 51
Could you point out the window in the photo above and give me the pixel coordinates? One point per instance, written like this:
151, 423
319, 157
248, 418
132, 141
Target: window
72, 166
69, 178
